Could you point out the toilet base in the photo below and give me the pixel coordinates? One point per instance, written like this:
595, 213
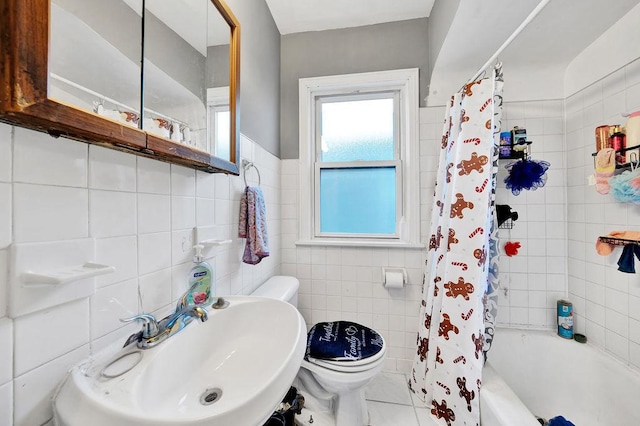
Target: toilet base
337, 411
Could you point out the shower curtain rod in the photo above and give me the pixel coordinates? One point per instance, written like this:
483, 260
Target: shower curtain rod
508, 41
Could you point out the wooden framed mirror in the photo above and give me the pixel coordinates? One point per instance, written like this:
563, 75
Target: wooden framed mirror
97, 95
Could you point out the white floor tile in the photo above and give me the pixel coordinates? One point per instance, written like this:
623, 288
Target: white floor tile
424, 417
389, 387
384, 414
417, 402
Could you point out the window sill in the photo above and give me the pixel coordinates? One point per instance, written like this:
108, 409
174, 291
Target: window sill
361, 243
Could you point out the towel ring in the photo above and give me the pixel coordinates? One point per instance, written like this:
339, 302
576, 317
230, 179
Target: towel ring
246, 165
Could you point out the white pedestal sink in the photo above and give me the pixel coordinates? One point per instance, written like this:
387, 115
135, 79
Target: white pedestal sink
233, 369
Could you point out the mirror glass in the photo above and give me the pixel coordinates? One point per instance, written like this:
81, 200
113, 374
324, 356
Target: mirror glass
94, 57
186, 74
217, 81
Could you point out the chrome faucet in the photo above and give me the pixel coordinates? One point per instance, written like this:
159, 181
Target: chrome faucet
154, 332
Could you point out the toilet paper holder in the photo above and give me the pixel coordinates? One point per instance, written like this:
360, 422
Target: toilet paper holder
394, 277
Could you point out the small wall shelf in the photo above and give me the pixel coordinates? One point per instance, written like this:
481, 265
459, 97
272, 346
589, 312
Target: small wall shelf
507, 224
66, 275
214, 242
518, 154
617, 241
635, 148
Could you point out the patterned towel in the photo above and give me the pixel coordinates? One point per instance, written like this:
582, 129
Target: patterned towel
253, 225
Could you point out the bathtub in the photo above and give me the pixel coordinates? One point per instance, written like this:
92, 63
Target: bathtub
536, 373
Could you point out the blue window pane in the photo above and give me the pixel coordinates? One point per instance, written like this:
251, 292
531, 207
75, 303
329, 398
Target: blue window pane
358, 200
357, 130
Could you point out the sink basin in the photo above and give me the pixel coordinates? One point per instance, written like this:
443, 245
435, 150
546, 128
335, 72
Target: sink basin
233, 369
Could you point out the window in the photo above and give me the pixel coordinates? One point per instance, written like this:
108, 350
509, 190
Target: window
359, 176
219, 121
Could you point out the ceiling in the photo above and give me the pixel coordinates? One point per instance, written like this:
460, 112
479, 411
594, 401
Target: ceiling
318, 15
536, 59
540, 54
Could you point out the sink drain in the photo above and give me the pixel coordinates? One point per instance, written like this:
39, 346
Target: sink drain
210, 396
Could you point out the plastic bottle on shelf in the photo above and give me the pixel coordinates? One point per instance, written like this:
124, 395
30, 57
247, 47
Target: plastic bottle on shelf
602, 137
632, 129
618, 142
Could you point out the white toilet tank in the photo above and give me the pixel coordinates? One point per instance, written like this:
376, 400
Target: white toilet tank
280, 287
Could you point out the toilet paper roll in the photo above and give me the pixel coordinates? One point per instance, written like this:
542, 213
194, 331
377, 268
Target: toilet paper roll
393, 279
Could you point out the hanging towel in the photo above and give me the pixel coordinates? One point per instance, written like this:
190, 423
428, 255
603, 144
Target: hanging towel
253, 225
626, 263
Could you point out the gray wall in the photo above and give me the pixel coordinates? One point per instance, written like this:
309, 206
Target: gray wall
440, 20
173, 55
380, 47
259, 73
217, 66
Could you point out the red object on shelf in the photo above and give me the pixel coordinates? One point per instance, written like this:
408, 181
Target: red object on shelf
511, 248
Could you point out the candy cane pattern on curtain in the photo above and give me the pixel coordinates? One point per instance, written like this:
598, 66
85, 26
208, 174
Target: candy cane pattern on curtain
447, 368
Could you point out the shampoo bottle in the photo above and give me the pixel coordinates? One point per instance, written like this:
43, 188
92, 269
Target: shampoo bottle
201, 274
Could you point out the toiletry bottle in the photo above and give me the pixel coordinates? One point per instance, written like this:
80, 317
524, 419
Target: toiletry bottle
201, 273
618, 142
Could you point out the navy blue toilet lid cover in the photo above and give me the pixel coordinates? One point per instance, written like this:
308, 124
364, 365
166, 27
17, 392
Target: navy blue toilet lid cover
342, 341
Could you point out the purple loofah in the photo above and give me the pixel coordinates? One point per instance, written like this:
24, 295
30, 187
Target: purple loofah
526, 174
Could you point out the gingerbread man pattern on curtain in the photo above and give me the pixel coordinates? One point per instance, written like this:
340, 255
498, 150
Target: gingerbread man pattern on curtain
448, 364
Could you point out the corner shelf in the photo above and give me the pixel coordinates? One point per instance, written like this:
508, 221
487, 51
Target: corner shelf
507, 224
620, 166
66, 275
517, 154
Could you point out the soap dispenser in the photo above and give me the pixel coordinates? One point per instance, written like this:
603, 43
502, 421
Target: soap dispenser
200, 278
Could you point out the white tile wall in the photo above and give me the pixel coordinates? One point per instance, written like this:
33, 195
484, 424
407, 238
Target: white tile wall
154, 213
32, 391
6, 404
35, 343
47, 213
5, 215
113, 213
37, 160
605, 300
6, 351
109, 304
6, 133
4, 256
111, 170
532, 281
141, 213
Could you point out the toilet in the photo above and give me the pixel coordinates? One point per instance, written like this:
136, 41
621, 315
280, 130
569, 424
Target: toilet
333, 389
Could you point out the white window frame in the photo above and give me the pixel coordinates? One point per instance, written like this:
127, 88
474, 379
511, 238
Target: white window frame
217, 101
405, 82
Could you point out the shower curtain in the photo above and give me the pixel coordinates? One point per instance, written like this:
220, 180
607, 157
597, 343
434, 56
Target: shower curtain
458, 293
